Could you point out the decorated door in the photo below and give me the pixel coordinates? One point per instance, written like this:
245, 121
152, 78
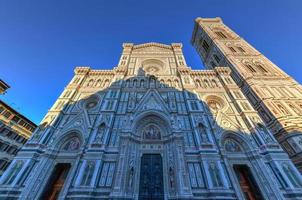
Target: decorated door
247, 183
56, 182
151, 185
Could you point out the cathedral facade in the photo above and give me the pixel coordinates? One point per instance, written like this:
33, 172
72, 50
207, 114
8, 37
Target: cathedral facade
153, 128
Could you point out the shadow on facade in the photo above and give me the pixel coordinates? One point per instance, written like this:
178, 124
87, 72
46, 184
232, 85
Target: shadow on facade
285, 128
141, 137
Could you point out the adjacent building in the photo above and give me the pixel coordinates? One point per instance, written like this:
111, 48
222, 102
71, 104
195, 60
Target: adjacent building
15, 130
3, 86
153, 128
275, 95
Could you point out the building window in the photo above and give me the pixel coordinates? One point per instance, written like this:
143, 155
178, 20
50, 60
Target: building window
3, 164
228, 80
3, 146
88, 173
213, 64
261, 68
237, 94
241, 49
1, 109
196, 177
90, 82
107, 174
294, 109
232, 49
281, 182
214, 83
215, 175
98, 83
193, 105
217, 59
198, 83
250, 68
7, 114
109, 105
282, 109
291, 175
205, 46
220, 34
142, 83
245, 106
16, 119
13, 173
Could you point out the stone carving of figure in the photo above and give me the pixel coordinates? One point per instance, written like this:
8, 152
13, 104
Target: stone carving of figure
100, 134
171, 177
131, 175
173, 104
128, 120
214, 172
132, 101
203, 133
72, 144
231, 146
187, 81
264, 133
179, 122
173, 121
151, 132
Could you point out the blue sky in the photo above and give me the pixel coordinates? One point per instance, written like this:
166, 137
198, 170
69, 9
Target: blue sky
42, 41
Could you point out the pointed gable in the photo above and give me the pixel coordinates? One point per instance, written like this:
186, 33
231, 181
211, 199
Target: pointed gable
80, 122
152, 101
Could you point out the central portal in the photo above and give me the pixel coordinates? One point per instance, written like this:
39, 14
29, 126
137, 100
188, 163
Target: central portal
151, 185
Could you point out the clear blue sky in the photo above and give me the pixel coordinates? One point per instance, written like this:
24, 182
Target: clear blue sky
42, 41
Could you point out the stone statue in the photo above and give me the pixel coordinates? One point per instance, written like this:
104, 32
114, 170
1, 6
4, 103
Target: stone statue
131, 175
264, 133
171, 177
100, 134
203, 133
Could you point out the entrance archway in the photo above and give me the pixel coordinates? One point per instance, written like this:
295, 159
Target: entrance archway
247, 183
56, 181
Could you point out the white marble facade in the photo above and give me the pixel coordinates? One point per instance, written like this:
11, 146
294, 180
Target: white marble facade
198, 121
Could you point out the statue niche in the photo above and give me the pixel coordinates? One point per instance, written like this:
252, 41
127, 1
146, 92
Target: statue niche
151, 132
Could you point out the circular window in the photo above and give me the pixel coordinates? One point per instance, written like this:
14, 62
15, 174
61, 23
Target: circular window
152, 66
152, 69
215, 103
91, 102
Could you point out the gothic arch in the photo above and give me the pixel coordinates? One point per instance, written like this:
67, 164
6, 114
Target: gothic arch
60, 141
238, 138
160, 120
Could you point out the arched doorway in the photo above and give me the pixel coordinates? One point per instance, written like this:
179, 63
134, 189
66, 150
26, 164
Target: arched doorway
247, 183
56, 181
235, 149
152, 130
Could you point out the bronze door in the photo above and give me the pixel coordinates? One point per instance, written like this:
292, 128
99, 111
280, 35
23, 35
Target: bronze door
56, 182
247, 183
151, 185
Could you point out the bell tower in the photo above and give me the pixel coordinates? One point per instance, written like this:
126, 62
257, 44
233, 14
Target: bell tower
274, 94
